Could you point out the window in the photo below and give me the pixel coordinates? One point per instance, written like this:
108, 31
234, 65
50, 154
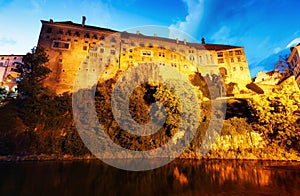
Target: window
142, 44
130, 50
113, 52
220, 60
132, 44
241, 68
1, 64
230, 53
238, 52
232, 60
61, 45
185, 66
66, 46
95, 37
87, 35
239, 59
191, 58
101, 50
220, 54
49, 30
130, 56
60, 60
161, 54
146, 53
69, 32
200, 58
77, 34
113, 40
124, 49
60, 31
75, 40
234, 68
84, 48
55, 44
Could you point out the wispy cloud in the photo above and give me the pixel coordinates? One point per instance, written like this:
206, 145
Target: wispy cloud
192, 21
294, 42
7, 41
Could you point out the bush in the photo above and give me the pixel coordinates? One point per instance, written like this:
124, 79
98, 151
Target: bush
276, 116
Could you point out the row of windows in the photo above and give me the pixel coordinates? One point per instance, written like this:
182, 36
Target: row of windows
221, 60
237, 52
234, 68
78, 34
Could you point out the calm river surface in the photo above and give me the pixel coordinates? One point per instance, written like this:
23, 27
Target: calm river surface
181, 177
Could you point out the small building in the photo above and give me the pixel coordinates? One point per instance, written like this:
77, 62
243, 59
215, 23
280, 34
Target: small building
268, 78
294, 61
8, 73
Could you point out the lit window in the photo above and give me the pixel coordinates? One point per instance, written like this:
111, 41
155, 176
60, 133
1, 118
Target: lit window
220, 60
241, 68
220, 54
238, 52
185, 66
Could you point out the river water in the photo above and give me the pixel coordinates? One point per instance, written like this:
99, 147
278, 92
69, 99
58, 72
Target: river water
181, 177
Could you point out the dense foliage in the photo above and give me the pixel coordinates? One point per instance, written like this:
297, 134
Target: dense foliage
277, 116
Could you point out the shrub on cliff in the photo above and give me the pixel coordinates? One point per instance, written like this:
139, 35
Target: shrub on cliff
277, 118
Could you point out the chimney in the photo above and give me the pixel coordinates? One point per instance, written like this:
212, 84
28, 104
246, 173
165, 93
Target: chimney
177, 41
83, 21
137, 32
184, 41
51, 20
203, 40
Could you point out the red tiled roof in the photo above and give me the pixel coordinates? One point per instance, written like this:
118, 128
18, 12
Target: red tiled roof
216, 47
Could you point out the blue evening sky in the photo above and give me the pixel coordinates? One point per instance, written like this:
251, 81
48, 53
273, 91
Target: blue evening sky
263, 27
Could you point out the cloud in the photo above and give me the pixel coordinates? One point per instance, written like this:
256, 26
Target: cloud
192, 21
277, 50
294, 42
7, 41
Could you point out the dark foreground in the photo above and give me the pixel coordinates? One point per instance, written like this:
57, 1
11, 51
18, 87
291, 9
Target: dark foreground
181, 177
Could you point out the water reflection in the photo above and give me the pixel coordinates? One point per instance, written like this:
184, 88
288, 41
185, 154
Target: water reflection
181, 177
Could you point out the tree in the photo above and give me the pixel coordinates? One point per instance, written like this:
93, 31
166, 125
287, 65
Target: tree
3, 94
283, 66
33, 72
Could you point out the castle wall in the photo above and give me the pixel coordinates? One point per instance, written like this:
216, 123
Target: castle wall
68, 46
